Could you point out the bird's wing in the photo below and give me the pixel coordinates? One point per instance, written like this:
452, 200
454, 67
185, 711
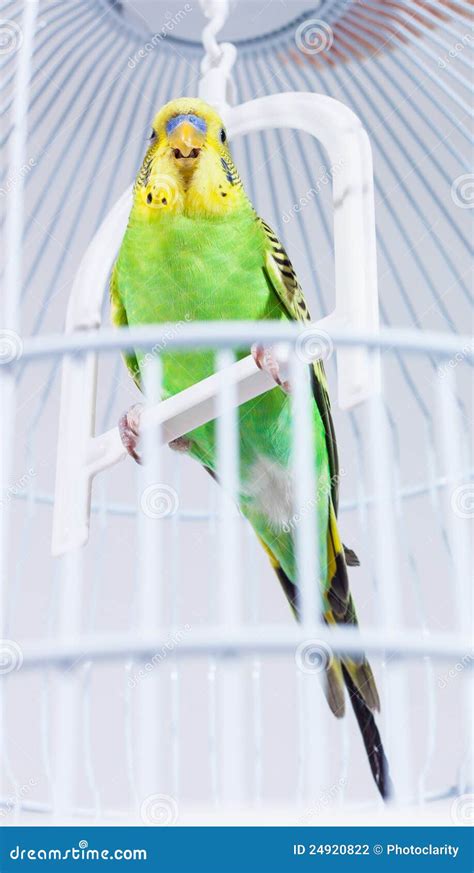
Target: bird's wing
119, 319
282, 277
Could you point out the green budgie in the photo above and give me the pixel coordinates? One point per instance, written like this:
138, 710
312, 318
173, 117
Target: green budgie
195, 249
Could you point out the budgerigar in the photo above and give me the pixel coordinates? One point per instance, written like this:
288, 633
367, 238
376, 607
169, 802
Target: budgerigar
195, 249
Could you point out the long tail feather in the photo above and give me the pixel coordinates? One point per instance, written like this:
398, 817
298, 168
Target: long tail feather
355, 674
371, 737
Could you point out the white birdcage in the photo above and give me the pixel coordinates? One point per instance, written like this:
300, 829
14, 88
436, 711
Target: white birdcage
151, 670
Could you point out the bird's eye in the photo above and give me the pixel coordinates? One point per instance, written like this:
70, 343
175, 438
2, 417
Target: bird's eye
152, 135
223, 135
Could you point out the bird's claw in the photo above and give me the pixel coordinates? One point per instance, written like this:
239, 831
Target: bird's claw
266, 360
129, 430
180, 444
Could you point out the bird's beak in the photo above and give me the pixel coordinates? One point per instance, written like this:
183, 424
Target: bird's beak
186, 141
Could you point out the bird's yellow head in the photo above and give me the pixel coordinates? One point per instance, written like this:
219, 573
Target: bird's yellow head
187, 167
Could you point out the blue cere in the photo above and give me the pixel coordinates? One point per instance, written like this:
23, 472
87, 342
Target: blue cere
197, 122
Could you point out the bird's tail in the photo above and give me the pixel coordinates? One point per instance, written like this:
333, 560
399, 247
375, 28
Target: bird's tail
353, 674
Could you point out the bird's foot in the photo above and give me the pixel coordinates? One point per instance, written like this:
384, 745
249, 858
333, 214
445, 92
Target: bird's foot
266, 360
180, 444
129, 430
